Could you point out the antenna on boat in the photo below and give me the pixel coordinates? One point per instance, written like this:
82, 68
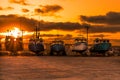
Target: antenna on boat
87, 26
36, 31
20, 28
39, 27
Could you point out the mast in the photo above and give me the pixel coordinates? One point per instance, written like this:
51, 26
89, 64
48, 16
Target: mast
87, 26
36, 31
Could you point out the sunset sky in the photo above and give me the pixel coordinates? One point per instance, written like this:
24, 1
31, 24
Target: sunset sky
65, 17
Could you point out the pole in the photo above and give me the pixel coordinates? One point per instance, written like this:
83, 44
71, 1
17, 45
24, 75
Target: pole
36, 31
87, 28
87, 35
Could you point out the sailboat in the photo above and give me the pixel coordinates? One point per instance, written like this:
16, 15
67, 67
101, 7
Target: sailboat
36, 43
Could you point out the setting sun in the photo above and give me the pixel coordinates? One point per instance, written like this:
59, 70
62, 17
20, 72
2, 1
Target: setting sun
16, 32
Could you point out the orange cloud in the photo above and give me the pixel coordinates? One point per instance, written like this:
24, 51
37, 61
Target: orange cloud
25, 10
48, 9
111, 18
29, 24
1, 8
9, 8
6, 8
21, 2
99, 35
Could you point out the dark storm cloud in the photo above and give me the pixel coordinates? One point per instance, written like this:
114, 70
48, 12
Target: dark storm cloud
25, 10
110, 18
48, 9
21, 2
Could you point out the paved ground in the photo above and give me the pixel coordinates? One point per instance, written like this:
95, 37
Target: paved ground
59, 68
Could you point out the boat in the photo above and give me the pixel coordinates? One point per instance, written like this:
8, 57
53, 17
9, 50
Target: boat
13, 43
80, 46
36, 44
57, 47
101, 46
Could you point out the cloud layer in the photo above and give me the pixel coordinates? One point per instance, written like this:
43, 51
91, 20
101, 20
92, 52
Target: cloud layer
111, 18
107, 29
99, 35
29, 24
25, 10
6, 8
21, 2
48, 9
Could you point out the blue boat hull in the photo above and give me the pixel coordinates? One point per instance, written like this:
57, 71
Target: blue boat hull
100, 48
37, 48
57, 48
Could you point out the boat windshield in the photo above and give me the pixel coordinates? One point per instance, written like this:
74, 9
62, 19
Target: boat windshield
80, 40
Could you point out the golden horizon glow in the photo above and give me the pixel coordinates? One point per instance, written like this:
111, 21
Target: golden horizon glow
16, 32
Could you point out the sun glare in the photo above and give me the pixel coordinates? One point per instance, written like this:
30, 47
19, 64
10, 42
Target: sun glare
16, 32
